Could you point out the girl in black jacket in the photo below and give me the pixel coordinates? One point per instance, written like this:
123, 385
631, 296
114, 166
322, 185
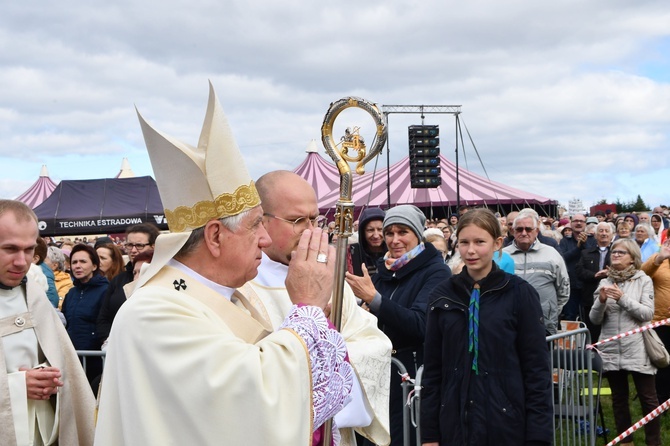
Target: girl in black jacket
487, 379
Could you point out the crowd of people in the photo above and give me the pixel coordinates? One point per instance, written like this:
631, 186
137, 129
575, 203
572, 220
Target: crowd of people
574, 267
606, 270
217, 332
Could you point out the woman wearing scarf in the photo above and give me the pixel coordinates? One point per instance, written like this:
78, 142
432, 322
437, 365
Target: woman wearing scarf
624, 301
657, 226
398, 296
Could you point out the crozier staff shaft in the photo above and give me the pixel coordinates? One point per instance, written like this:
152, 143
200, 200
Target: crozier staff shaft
344, 209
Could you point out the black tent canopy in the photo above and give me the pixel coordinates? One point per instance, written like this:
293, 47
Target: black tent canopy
100, 206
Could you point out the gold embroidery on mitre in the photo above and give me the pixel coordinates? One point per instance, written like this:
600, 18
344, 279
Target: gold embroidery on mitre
184, 218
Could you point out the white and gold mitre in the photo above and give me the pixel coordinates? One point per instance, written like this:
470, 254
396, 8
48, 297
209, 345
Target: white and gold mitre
199, 184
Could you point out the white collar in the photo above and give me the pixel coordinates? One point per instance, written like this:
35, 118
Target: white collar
227, 292
271, 274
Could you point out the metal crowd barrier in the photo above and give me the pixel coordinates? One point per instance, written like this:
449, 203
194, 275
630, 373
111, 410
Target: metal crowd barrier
415, 404
574, 378
411, 394
574, 400
84, 354
406, 383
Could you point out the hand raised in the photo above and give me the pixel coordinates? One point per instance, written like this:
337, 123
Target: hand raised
309, 281
362, 287
581, 238
601, 274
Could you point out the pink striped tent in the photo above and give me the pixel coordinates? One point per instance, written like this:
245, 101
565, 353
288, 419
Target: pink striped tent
370, 188
39, 191
321, 174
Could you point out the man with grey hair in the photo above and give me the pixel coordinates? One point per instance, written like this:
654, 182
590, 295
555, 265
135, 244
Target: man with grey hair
549, 241
541, 266
591, 269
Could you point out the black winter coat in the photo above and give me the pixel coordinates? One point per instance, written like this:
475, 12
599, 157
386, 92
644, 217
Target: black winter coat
81, 306
509, 401
112, 301
571, 252
405, 292
586, 269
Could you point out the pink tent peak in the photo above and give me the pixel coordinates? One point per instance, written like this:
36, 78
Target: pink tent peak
321, 174
39, 191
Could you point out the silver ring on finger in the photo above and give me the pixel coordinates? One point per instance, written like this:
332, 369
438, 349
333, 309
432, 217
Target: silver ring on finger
322, 258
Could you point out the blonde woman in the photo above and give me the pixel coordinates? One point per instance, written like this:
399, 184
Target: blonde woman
624, 301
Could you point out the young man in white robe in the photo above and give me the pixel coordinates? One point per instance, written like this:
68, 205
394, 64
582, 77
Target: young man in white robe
189, 361
290, 206
45, 397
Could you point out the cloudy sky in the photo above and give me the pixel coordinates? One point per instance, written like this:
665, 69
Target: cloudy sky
563, 99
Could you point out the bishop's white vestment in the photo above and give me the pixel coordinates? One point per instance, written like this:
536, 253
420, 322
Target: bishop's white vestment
186, 366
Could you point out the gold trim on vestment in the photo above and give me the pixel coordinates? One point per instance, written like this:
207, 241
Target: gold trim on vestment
311, 382
185, 218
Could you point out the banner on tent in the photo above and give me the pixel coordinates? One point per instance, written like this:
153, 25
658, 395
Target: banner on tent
95, 226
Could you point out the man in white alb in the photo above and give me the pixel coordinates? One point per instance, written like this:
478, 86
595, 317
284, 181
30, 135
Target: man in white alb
290, 207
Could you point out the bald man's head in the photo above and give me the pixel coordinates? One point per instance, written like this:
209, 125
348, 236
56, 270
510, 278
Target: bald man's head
286, 197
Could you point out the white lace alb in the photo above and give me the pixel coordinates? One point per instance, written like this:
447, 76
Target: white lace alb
332, 376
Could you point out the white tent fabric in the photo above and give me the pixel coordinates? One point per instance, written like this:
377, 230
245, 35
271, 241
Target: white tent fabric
126, 171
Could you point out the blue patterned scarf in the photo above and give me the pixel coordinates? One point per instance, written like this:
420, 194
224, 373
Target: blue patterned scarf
395, 264
473, 328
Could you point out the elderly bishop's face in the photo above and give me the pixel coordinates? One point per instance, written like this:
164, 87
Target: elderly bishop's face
244, 249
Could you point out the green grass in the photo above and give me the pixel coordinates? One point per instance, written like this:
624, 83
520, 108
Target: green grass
636, 415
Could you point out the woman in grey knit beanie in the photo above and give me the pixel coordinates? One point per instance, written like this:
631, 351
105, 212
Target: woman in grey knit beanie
408, 215
398, 295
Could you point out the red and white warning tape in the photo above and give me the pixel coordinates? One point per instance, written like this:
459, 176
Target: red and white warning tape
650, 416
631, 332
